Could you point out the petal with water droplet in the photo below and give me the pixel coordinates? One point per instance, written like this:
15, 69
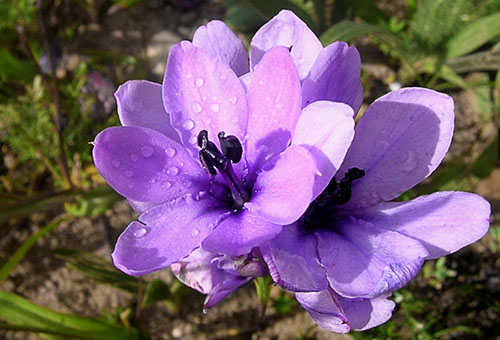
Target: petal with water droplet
211, 85
154, 177
170, 234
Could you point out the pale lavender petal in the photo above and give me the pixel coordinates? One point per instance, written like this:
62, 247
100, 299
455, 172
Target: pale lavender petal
284, 189
335, 313
165, 234
293, 262
140, 104
202, 93
335, 76
286, 29
144, 165
217, 39
326, 130
140, 207
274, 106
362, 259
399, 141
199, 272
239, 232
443, 222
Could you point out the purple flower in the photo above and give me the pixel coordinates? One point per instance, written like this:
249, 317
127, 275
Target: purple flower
355, 246
250, 180
218, 275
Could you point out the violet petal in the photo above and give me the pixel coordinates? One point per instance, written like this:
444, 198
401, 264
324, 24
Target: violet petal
144, 165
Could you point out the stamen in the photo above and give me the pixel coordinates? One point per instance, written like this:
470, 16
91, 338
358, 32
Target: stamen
212, 160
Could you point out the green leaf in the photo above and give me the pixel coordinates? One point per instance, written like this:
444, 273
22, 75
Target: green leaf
97, 269
243, 17
474, 35
480, 61
26, 246
486, 161
348, 30
21, 314
12, 69
156, 291
435, 21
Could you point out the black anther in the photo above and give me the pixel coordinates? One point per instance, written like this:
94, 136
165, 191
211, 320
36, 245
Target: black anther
231, 147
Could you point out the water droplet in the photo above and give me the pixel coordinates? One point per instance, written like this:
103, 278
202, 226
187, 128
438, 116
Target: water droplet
223, 76
129, 173
170, 152
140, 232
130, 186
196, 107
410, 163
204, 98
233, 100
167, 184
116, 163
147, 151
133, 157
215, 107
187, 183
188, 125
172, 171
195, 232
199, 82
193, 140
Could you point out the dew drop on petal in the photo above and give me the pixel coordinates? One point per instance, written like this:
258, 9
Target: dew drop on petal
140, 232
170, 152
233, 100
223, 76
147, 151
167, 184
199, 82
187, 183
115, 163
128, 173
195, 232
410, 163
172, 170
133, 157
215, 107
188, 125
192, 140
196, 107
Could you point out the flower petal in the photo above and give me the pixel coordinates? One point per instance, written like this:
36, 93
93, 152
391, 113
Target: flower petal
283, 191
238, 233
293, 262
335, 76
144, 165
199, 272
202, 93
362, 259
274, 106
165, 234
217, 39
337, 314
140, 104
326, 130
400, 140
443, 222
286, 29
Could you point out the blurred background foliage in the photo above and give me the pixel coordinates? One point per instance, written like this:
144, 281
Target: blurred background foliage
52, 104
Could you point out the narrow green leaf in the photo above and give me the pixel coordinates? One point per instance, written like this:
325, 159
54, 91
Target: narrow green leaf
480, 61
486, 161
156, 291
21, 314
474, 35
348, 30
97, 269
26, 246
13, 69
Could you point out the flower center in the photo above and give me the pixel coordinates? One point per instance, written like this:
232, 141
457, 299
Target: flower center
214, 161
321, 211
